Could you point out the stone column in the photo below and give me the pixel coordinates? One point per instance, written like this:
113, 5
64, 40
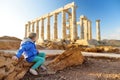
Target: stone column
37, 28
55, 27
73, 27
98, 30
26, 30
33, 26
89, 30
48, 27
82, 27
63, 25
85, 29
69, 20
29, 28
42, 29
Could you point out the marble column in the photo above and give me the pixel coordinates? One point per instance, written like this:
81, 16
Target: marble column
48, 28
42, 29
26, 30
29, 28
37, 28
89, 30
68, 25
82, 28
55, 27
85, 29
98, 30
73, 27
33, 28
63, 25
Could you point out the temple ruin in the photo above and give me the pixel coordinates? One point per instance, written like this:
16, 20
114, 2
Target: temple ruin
69, 26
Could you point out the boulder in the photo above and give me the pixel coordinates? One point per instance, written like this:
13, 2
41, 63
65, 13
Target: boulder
70, 57
111, 49
55, 45
94, 49
10, 69
8, 43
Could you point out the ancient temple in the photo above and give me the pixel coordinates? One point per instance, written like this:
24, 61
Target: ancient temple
70, 24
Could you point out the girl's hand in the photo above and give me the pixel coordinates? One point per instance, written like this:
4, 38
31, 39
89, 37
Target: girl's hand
15, 58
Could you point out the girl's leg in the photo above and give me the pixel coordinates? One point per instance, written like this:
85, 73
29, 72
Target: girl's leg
38, 62
42, 54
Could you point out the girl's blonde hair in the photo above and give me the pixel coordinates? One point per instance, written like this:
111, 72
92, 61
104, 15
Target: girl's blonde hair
32, 35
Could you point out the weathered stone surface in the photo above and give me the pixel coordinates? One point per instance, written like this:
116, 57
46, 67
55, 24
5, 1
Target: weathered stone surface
68, 58
55, 45
101, 49
10, 69
111, 49
95, 49
7, 42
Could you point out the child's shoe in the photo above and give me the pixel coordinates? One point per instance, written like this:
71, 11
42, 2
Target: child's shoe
43, 68
33, 71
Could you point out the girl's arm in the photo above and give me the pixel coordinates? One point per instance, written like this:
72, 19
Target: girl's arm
21, 50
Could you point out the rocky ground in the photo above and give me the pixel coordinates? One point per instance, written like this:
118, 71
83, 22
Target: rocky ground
66, 66
15, 70
92, 69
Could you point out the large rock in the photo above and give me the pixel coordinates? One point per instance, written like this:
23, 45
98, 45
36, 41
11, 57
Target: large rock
94, 49
68, 58
107, 49
56, 45
10, 69
111, 49
8, 43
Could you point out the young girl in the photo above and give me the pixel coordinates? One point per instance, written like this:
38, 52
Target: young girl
31, 54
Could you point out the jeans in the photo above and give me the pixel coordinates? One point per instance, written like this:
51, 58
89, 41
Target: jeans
39, 60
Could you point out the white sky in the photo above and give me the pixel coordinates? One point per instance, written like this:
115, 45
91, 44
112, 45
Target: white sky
10, 23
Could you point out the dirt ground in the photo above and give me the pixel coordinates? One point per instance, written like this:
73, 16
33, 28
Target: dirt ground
92, 69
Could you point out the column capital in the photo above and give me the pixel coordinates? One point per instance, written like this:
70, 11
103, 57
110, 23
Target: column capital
55, 14
48, 15
83, 17
89, 21
98, 20
32, 22
42, 18
37, 21
26, 24
29, 22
